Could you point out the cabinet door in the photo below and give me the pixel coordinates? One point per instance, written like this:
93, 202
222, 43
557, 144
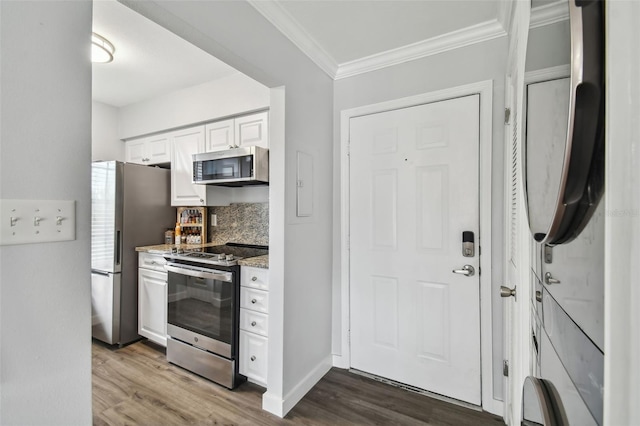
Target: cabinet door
252, 130
158, 149
253, 357
219, 135
135, 151
152, 305
186, 143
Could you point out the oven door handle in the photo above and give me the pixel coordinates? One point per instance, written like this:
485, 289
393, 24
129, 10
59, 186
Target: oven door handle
200, 273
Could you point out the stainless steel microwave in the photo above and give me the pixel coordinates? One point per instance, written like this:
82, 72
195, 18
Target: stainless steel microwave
232, 167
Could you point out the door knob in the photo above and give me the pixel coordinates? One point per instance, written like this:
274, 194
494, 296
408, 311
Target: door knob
507, 292
549, 279
466, 270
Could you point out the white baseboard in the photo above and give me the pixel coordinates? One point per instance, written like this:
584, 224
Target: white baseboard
281, 406
494, 406
340, 361
272, 404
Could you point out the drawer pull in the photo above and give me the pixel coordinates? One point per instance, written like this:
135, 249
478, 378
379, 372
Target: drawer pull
254, 278
253, 323
254, 301
253, 358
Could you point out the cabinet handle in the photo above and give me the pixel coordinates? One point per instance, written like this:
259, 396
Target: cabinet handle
254, 301
253, 358
254, 278
253, 323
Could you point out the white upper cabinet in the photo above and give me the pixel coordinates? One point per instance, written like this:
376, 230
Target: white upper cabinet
149, 150
252, 130
219, 135
248, 130
186, 142
135, 151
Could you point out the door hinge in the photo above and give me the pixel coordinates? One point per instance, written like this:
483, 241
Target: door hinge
507, 115
505, 368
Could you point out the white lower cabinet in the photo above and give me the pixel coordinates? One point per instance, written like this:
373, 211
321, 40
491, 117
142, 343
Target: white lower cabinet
253, 357
254, 321
152, 298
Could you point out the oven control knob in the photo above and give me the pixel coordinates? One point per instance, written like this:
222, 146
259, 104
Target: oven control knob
253, 358
254, 301
253, 323
254, 278
195, 339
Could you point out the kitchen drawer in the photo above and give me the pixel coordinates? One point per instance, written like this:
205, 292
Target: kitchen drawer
254, 277
151, 261
253, 357
254, 322
255, 300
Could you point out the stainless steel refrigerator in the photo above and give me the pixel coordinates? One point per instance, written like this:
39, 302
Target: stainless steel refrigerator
130, 207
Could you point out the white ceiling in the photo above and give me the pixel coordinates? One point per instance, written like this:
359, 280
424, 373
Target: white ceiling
149, 60
352, 29
344, 37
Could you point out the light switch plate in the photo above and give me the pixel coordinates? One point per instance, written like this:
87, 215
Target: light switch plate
37, 221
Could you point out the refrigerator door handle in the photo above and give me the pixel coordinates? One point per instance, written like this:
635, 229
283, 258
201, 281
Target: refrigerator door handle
118, 248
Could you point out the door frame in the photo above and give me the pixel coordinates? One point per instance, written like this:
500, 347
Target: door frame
485, 90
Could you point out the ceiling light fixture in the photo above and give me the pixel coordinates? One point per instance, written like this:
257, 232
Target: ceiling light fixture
101, 49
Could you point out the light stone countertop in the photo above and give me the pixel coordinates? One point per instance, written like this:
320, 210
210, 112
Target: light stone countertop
256, 262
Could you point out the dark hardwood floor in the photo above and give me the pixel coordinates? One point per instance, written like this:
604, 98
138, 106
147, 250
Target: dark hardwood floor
135, 385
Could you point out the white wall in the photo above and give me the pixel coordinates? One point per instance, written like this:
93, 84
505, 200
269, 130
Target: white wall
622, 215
548, 46
105, 142
45, 302
471, 64
227, 96
300, 272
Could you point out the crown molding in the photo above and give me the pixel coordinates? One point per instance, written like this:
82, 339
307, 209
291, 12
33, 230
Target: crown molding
289, 26
549, 14
505, 13
467, 36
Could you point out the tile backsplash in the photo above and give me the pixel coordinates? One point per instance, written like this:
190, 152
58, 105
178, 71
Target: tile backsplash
246, 223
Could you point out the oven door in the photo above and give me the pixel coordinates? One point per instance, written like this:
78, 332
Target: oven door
201, 307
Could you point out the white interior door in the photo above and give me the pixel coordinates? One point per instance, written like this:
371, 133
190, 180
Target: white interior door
413, 191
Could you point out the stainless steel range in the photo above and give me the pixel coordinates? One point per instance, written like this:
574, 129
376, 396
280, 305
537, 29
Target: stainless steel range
204, 309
